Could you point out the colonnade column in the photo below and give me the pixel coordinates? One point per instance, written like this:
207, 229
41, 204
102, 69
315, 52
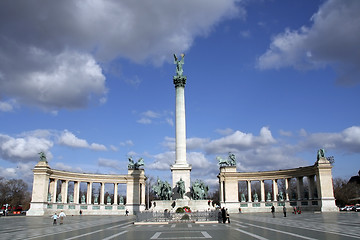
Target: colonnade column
64, 190
262, 190
222, 198
102, 191
300, 188
311, 186
287, 189
275, 189
249, 190
115, 193
89, 192
51, 189
76, 192
54, 190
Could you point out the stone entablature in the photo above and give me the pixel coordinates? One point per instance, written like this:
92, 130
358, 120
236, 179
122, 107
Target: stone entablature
319, 181
46, 199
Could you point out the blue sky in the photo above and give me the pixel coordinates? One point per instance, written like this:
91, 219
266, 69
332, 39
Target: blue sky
90, 84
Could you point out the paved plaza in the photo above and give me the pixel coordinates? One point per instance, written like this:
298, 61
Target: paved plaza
262, 226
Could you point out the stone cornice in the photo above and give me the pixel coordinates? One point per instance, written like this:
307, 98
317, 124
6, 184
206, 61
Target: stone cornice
269, 175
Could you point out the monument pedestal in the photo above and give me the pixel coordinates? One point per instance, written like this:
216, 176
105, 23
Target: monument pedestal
181, 171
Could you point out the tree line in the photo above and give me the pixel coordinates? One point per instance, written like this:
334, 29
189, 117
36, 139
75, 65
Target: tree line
14, 192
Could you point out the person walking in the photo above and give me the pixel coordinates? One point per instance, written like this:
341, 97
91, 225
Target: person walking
273, 211
62, 215
54, 217
80, 212
223, 214
126, 213
284, 211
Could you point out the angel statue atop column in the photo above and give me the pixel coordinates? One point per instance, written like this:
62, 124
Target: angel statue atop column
179, 63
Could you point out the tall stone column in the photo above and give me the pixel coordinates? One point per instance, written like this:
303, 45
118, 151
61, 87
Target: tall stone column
275, 189
55, 190
287, 189
249, 190
76, 192
311, 186
262, 191
181, 169
64, 190
300, 188
102, 192
115, 193
89, 192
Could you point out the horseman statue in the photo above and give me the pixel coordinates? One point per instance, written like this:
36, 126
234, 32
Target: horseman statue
162, 189
199, 190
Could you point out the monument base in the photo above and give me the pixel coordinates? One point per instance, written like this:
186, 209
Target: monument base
181, 171
36, 209
172, 205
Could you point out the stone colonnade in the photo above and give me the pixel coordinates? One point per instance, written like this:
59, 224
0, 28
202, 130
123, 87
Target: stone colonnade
46, 199
320, 189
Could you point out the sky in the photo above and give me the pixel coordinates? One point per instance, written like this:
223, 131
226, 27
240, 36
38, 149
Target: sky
90, 84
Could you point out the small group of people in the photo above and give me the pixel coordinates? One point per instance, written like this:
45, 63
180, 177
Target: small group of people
61, 215
273, 211
225, 215
296, 210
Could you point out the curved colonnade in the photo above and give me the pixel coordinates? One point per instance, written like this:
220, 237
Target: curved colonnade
48, 198
319, 190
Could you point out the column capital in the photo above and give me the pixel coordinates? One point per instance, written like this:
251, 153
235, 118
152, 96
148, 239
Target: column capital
179, 81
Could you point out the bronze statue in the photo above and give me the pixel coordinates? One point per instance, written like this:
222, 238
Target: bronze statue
181, 187
179, 63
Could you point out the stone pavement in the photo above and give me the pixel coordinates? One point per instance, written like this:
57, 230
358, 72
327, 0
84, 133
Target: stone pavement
344, 225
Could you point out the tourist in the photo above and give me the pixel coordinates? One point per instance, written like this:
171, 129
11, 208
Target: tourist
54, 217
126, 213
227, 215
62, 215
273, 211
284, 211
80, 212
223, 214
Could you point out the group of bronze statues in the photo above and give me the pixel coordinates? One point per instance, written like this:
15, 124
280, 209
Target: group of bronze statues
163, 190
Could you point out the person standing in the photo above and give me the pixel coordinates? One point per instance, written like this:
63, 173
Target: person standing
284, 211
62, 215
227, 215
273, 211
54, 217
223, 214
80, 212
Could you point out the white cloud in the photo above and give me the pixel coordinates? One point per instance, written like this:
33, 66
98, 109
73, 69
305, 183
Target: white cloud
162, 161
240, 141
197, 160
7, 106
347, 141
23, 149
69, 139
285, 133
333, 38
226, 131
51, 51
127, 143
144, 121
150, 117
